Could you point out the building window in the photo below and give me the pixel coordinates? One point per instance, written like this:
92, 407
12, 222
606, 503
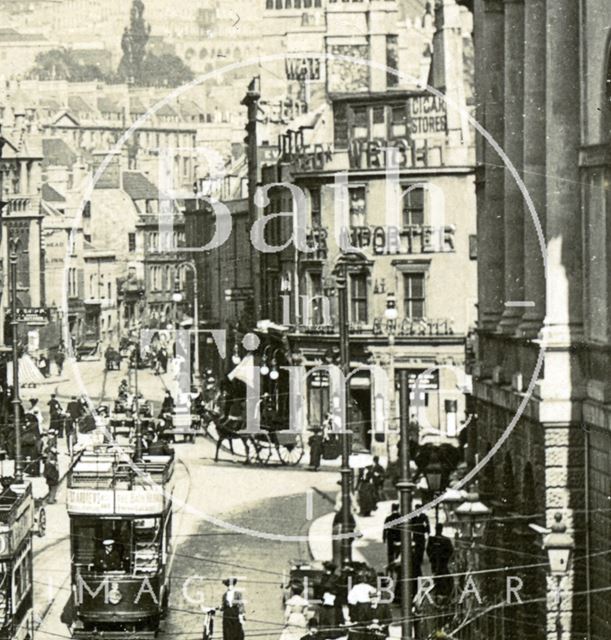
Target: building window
398, 122
378, 116
131, 242
360, 123
413, 205
356, 203
109, 285
413, 295
72, 283
358, 298
315, 217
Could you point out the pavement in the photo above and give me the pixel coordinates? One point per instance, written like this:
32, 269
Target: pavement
368, 546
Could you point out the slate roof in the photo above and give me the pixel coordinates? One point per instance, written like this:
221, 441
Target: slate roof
108, 105
57, 152
78, 105
138, 186
49, 194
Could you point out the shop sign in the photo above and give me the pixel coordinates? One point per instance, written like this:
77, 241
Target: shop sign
411, 327
423, 379
303, 68
310, 157
33, 315
415, 238
426, 114
403, 154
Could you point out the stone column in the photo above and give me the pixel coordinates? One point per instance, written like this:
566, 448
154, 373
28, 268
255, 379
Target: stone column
563, 320
561, 389
534, 165
490, 217
513, 215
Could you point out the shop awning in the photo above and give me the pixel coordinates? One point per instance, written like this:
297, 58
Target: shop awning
29, 373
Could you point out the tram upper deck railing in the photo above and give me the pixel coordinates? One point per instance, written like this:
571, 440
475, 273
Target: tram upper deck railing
111, 468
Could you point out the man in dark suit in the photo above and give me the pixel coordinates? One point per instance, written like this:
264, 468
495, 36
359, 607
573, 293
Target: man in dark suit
392, 534
74, 410
56, 415
109, 559
440, 550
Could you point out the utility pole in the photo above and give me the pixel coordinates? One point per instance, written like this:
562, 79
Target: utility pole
346, 436
14, 244
251, 102
405, 487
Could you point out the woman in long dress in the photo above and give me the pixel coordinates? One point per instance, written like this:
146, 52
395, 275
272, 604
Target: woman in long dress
295, 623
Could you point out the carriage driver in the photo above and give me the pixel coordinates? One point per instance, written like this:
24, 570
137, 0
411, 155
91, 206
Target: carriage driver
108, 558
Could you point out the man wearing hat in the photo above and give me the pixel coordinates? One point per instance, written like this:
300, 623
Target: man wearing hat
51, 474
232, 607
109, 559
315, 442
56, 414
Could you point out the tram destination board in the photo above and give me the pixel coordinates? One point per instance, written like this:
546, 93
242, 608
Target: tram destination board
106, 502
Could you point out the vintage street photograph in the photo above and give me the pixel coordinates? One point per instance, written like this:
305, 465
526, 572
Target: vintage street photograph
305, 320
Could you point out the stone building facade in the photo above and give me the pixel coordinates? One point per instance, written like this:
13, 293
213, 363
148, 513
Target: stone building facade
391, 171
542, 371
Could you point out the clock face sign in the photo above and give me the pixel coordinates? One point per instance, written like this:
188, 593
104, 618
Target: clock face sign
386, 140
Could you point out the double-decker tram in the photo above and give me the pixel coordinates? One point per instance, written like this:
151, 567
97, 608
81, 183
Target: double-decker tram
120, 527
16, 597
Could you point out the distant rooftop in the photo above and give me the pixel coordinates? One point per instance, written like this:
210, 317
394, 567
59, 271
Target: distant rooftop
56, 152
138, 186
49, 194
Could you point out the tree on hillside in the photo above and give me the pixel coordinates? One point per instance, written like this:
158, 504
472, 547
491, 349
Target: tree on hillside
61, 64
144, 68
133, 43
165, 70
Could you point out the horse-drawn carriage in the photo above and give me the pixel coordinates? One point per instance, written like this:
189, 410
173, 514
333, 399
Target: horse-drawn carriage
270, 444
113, 359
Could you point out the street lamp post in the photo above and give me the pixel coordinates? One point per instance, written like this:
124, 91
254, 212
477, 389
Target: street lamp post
406, 488
472, 516
193, 268
559, 546
14, 244
346, 477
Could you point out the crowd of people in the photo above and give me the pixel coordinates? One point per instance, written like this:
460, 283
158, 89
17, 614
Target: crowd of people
347, 602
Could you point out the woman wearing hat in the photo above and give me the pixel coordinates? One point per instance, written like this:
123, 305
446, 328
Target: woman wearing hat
232, 607
295, 611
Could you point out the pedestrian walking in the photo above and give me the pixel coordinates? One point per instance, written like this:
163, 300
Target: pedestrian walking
366, 494
60, 357
359, 598
51, 475
295, 610
391, 533
440, 550
315, 443
74, 411
56, 416
420, 530
327, 593
232, 607
377, 474
34, 410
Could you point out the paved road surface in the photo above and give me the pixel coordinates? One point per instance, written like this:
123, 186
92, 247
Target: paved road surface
276, 501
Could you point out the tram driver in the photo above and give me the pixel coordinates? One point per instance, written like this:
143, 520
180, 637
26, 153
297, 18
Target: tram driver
108, 557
